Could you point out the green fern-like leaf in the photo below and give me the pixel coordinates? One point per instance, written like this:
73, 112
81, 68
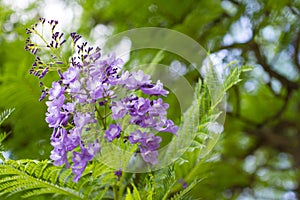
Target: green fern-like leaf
99, 181
210, 99
164, 181
35, 178
5, 114
234, 76
2, 148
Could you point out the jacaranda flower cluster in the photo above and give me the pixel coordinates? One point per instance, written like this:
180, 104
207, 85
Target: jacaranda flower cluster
94, 100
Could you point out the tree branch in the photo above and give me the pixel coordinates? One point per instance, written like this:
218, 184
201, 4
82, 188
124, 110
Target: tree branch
263, 62
296, 54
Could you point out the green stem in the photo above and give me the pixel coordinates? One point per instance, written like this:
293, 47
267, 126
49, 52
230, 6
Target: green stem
100, 118
121, 189
115, 192
105, 117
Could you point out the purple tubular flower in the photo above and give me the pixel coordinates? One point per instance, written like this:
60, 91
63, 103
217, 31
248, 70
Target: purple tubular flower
59, 156
69, 107
81, 160
135, 80
59, 153
167, 126
54, 117
82, 119
149, 156
148, 145
75, 87
141, 106
154, 89
111, 68
43, 95
112, 61
137, 136
96, 89
113, 132
96, 55
158, 108
118, 109
183, 183
73, 139
70, 75
55, 91
118, 173
75, 37
151, 142
58, 102
44, 72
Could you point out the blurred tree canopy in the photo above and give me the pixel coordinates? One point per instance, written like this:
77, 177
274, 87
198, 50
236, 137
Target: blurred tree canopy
258, 156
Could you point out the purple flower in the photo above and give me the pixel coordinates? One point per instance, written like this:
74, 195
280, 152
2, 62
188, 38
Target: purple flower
113, 132
61, 140
69, 107
137, 136
148, 144
183, 183
55, 91
43, 95
151, 142
93, 149
57, 138
54, 117
81, 160
124, 77
135, 80
167, 126
82, 119
147, 122
59, 156
95, 88
154, 89
70, 75
118, 173
141, 106
149, 156
58, 102
118, 110
112, 67
96, 55
44, 72
73, 139
158, 108
59, 153
112, 61
75, 37
75, 87
81, 97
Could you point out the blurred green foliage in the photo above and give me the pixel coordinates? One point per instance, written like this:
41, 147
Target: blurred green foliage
18, 89
258, 156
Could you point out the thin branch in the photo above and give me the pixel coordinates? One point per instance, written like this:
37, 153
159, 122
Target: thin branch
296, 54
263, 62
